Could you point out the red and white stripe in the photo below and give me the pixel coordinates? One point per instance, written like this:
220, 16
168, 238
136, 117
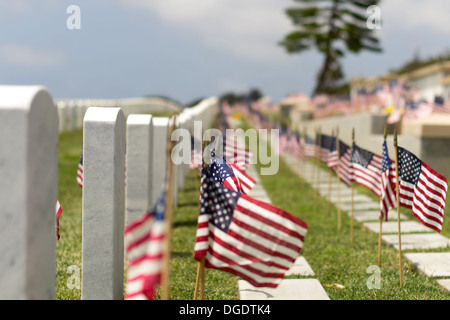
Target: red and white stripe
246, 183
427, 199
369, 177
80, 175
58, 215
260, 245
388, 198
345, 166
144, 243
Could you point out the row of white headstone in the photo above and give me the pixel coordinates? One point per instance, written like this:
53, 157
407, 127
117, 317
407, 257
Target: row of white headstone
71, 111
29, 171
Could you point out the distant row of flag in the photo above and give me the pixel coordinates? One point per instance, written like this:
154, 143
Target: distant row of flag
421, 188
399, 98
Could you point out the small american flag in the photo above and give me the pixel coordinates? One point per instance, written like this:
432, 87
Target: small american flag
236, 154
144, 245
417, 110
421, 189
309, 146
332, 155
80, 172
366, 169
282, 143
440, 106
388, 194
58, 215
251, 239
345, 166
326, 142
298, 151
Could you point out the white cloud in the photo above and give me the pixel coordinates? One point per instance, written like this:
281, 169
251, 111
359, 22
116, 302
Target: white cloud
20, 55
405, 14
248, 29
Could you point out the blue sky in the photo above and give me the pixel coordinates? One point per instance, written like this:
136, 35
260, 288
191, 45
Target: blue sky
188, 49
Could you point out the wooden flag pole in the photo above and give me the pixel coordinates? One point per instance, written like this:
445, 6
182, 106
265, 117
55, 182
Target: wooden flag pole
338, 182
353, 191
313, 169
168, 214
302, 166
318, 167
398, 209
200, 279
381, 219
329, 184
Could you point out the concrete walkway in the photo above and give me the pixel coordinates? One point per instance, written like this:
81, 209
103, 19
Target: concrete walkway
288, 289
414, 235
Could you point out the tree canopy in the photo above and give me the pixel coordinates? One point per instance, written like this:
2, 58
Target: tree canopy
332, 27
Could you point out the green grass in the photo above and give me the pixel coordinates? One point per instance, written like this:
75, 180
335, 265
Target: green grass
328, 250
69, 195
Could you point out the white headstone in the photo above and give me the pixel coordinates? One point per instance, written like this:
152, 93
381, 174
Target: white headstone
28, 192
159, 156
103, 203
139, 166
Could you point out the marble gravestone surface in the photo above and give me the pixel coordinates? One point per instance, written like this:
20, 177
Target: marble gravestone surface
28, 193
103, 204
138, 190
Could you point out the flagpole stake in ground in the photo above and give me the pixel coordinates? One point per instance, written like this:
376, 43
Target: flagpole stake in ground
200, 280
381, 216
353, 191
170, 167
398, 209
317, 180
329, 181
313, 170
338, 181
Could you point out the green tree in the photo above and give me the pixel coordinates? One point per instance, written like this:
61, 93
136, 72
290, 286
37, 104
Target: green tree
333, 27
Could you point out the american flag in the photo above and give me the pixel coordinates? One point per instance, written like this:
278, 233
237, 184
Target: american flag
291, 143
58, 215
407, 91
326, 143
80, 171
310, 147
236, 153
251, 239
345, 166
417, 110
421, 189
440, 106
387, 192
298, 145
144, 245
282, 143
332, 156
366, 168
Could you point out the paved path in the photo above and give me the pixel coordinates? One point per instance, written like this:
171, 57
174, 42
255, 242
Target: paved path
414, 235
288, 289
